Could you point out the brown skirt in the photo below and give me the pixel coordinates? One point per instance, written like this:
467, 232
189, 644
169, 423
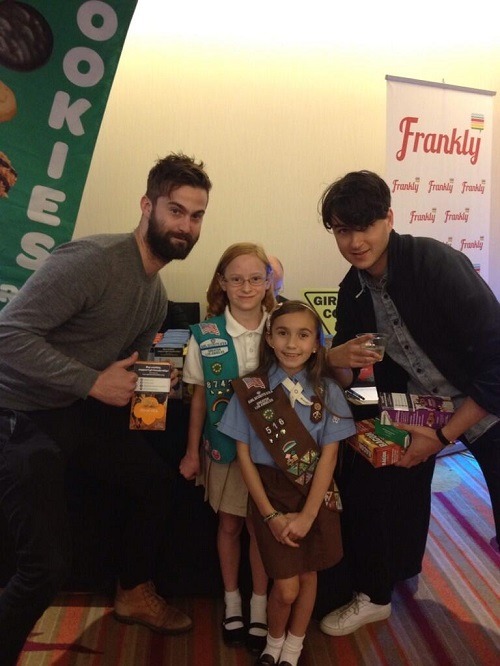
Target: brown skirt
320, 549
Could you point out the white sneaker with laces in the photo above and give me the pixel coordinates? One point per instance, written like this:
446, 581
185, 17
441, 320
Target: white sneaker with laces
354, 615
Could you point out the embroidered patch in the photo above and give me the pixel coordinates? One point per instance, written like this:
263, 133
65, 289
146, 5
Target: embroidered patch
214, 347
209, 328
289, 446
216, 368
316, 409
220, 401
268, 414
253, 382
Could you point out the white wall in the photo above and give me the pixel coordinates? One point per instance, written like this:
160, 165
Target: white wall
276, 113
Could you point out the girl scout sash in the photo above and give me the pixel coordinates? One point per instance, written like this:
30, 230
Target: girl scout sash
220, 365
287, 439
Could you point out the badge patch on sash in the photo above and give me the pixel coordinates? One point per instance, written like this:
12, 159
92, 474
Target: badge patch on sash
214, 347
209, 328
316, 409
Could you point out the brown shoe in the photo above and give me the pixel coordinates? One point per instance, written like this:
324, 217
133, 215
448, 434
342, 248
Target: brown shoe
141, 605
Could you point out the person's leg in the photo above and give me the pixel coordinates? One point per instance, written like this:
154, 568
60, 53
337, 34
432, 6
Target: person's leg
257, 628
387, 516
283, 595
387, 511
123, 458
32, 498
300, 617
229, 550
335, 584
259, 576
303, 605
366, 533
114, 454
486, 450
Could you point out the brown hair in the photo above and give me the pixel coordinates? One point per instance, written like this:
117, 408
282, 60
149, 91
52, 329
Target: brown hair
316, 367
216, 297
174, 171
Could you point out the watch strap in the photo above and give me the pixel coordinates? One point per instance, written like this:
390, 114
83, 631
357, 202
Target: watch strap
443, 439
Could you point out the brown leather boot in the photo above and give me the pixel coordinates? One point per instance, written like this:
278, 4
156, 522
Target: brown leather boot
141, 605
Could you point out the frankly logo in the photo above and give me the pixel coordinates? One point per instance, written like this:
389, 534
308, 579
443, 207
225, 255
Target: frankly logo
441, 187
454, 143
462, 216
410, 186
469, 187
472, 245
429, 216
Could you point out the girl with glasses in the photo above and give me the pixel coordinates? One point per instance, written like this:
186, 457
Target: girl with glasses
223, 347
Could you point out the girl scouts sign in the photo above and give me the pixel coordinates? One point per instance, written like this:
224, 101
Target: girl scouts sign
57, 63
324, 302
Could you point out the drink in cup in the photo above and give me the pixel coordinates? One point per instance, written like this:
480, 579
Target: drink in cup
376, 343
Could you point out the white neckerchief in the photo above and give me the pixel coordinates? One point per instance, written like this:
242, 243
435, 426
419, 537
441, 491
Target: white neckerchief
296, 392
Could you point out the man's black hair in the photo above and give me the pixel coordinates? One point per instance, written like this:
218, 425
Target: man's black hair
355, 200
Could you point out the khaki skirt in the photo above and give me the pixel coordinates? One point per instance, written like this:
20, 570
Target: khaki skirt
225, 489
320, 549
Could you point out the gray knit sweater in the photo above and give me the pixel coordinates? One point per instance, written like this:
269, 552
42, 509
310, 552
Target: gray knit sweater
90, 304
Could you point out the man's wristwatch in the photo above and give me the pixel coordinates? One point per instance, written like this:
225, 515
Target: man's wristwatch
443, 439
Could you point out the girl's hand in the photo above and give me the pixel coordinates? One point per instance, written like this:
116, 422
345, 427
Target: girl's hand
277, 526
298, 526
189, 466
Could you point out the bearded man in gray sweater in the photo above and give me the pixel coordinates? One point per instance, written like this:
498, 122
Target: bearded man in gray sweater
68, 344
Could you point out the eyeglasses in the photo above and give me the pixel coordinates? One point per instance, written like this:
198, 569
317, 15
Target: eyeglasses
238, 281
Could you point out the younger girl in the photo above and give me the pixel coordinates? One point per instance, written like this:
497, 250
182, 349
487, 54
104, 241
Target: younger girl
221, 348
288, 418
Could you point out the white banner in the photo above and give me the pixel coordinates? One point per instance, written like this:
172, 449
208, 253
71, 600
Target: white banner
439, 144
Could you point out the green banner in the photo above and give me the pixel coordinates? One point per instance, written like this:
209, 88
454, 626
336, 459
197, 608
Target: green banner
58, 59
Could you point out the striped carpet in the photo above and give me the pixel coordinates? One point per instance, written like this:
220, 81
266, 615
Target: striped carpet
447, 616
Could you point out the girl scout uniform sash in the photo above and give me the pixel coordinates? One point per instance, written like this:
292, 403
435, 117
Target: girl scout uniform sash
220, 365
287, 439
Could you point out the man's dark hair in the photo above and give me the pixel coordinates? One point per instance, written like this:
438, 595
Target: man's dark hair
355, 200
174, 171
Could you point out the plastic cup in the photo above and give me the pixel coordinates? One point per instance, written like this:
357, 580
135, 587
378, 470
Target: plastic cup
376, 343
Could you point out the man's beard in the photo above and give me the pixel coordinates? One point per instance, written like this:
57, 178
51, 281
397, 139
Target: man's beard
162, 244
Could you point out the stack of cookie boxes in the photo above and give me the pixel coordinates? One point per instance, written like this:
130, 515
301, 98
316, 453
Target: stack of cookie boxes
172, 347
380, 444
433, 411
383, 444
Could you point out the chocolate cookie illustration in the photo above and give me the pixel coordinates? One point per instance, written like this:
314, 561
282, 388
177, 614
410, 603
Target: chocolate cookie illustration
8, 105
26, 39
8, 175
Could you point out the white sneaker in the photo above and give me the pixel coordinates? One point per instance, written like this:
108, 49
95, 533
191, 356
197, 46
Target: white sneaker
353, 615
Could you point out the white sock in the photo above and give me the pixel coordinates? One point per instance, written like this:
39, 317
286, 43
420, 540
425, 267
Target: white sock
233, 608
258, 613
273, 646
292, 647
